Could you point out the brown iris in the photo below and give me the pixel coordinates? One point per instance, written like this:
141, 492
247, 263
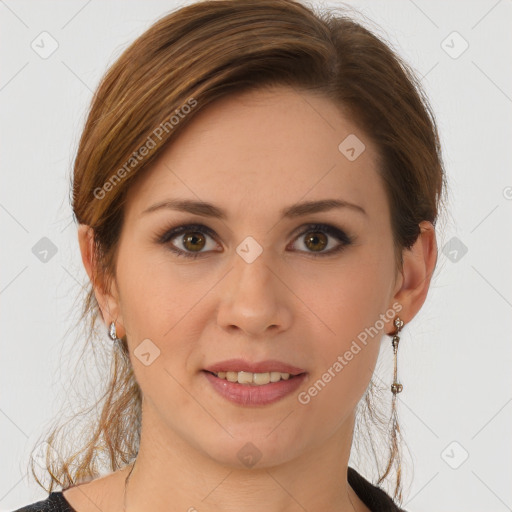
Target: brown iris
316, 238
194, 238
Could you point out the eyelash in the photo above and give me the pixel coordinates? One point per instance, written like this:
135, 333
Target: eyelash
171, 233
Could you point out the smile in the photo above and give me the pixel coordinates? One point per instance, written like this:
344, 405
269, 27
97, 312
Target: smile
254, 389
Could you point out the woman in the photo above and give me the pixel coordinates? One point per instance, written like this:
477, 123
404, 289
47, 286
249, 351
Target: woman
256, 186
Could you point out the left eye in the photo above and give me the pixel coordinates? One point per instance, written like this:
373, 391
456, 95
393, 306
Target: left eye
317, 239
193, 239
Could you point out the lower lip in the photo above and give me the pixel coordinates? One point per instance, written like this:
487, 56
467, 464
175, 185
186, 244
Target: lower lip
247, 395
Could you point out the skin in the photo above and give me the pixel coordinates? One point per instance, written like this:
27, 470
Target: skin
253, 154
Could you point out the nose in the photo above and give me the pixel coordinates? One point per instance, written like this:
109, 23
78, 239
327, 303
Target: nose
255, 299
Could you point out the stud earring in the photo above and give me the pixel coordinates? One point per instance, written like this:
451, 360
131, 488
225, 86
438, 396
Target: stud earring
112, 332
396, 387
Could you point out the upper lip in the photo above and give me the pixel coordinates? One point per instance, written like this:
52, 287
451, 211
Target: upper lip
242, 365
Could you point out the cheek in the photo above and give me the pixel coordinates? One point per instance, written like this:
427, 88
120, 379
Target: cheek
347, 297
156, 292
348, 329
161, 303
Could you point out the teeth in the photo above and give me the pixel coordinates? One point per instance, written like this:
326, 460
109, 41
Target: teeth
255, 379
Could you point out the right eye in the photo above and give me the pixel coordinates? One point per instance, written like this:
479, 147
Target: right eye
191, 237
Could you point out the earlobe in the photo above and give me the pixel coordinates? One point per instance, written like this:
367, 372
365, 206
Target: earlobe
418, 266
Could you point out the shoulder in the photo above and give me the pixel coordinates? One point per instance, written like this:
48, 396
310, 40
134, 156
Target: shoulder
372, 496
88, 495
55, 502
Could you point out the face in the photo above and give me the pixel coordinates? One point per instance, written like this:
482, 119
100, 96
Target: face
303, 288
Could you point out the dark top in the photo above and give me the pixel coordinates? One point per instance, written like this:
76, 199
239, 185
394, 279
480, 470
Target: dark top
373, 497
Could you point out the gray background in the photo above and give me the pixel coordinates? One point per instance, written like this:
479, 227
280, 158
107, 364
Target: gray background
455, 356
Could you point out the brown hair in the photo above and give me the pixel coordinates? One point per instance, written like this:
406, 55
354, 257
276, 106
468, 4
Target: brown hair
188, 59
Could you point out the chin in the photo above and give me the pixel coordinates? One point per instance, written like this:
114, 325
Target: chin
251, 452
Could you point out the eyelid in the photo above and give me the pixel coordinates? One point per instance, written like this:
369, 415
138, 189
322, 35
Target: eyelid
332, 231
173, 231
338, 233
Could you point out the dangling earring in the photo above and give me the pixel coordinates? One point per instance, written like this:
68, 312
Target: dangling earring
396, 387
395, 447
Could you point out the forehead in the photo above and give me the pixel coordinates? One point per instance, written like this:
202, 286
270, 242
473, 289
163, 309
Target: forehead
278, 145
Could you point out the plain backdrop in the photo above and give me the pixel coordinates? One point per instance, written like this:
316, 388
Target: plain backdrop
455, 356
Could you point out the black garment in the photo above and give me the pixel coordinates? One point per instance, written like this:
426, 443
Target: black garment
372, 496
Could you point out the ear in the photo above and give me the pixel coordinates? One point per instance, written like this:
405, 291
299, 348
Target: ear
107, 299
418, 266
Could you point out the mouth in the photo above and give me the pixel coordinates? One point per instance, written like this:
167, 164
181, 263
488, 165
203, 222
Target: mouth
254, 379
249, 389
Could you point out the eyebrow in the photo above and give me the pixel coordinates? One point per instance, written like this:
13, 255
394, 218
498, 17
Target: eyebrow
209, 210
